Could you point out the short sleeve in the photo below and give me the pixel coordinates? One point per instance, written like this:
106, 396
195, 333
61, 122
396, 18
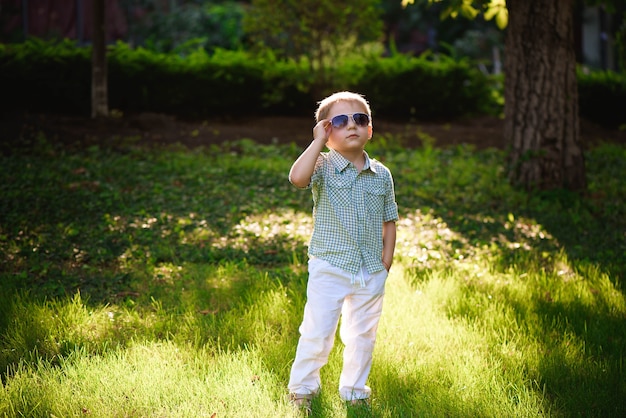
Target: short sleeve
391, 206
317, 175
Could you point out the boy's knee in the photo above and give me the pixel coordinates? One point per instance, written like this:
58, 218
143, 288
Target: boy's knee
360, 342
316, 347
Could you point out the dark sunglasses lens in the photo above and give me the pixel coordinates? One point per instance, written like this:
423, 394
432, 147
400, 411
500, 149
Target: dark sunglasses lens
339, 121
361, 119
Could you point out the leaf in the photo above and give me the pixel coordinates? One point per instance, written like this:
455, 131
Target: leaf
490, 13
448, 12
468, 11
502, 18
497, 9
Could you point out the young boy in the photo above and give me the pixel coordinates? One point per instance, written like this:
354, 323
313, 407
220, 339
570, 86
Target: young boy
351, 249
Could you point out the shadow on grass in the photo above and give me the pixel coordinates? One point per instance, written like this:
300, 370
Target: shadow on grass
458, 210
566, 244
145, 230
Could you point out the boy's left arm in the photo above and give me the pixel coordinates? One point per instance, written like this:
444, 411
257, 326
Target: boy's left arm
389, 243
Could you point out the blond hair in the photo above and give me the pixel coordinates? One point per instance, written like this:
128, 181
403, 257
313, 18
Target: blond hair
343, 96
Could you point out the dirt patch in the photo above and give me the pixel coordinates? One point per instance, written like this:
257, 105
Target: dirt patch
159, 129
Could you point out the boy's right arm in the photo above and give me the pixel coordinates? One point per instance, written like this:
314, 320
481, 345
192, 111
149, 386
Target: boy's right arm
302, 169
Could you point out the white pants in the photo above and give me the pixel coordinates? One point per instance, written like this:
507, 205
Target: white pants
332, 292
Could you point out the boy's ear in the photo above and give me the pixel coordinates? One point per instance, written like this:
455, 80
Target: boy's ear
370, 132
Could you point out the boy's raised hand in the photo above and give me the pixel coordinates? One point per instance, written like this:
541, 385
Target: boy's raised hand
321, 130
302, 169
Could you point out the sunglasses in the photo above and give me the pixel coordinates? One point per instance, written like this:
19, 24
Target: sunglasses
340, 121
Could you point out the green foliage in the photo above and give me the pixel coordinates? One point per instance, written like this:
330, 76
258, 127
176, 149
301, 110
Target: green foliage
469, 9
171, 281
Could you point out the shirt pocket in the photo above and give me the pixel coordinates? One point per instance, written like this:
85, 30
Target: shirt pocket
339, 191
376, 198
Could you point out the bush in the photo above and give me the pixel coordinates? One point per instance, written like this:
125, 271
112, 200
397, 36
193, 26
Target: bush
39, 76
46, 76
602, 97
56, 77
198, 84
418, 87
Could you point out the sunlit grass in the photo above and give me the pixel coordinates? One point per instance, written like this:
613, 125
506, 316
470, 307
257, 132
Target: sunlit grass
443, 365
171, 283
149, 379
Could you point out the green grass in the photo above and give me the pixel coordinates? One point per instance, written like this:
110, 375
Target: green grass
142, 282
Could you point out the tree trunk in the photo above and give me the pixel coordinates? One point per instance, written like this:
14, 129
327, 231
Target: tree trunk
541, 96
99, 88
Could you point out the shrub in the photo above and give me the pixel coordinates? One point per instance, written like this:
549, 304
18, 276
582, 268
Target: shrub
39, 76
418, 87
53, 76
602, 97
198, 84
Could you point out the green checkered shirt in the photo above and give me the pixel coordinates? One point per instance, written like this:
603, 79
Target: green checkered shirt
349, 209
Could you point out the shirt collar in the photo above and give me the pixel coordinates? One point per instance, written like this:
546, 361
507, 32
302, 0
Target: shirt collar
340, 162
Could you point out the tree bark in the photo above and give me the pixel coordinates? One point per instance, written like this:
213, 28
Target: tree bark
541, 97
99, 87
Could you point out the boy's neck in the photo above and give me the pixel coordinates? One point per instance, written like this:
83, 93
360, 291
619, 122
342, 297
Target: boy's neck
357, 158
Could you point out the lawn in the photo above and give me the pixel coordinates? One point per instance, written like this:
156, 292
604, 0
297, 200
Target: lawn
167, 281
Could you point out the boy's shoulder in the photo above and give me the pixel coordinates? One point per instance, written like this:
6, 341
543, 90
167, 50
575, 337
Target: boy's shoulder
379, 166
374, 161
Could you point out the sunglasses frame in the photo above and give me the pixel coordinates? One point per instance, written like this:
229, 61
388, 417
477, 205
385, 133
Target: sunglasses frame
347, 117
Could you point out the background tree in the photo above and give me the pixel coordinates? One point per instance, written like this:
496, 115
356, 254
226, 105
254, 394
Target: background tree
541, 125
99, 85
620, 39
318, 30
184, 25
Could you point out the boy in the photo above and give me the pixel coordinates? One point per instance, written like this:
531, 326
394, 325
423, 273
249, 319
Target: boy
351, 249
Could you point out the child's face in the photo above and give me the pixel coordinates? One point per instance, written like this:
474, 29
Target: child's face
352, 137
